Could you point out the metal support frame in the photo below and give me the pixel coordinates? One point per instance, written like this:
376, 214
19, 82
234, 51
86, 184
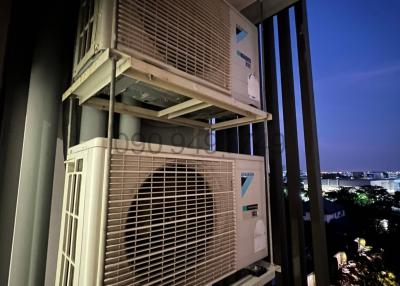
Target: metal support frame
280, 239
292, 151
71, 128
311, 146
199, 96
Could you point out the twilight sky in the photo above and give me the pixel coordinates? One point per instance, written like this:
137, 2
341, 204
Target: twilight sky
355, 49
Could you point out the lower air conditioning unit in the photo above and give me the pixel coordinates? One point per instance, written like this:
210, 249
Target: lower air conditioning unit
174, 217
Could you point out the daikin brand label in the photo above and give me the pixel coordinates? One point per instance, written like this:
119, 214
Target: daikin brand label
245, 58
250, 211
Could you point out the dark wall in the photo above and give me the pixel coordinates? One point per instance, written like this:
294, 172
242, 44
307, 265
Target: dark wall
17, 65
26, 19
5, 7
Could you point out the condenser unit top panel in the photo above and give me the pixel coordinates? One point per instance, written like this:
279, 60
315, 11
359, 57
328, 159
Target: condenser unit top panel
135, 147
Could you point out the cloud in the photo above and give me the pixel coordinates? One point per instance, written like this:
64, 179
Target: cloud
377, 72
357, 76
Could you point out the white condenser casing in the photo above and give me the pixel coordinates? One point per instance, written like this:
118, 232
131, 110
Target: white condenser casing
173, 216
207, 42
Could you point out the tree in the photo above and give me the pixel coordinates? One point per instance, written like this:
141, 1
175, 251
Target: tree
344, 196
397, 198
379, 197
367, 268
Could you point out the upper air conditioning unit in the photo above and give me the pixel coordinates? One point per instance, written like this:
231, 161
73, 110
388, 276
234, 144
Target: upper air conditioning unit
207, 42
174, 217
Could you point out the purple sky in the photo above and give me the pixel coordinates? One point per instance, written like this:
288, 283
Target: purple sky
355, 49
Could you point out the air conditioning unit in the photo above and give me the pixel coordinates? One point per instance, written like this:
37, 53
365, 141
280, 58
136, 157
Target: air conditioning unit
207, 42
174, 216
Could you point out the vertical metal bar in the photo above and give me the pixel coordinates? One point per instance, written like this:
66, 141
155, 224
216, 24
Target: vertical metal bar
70, 122
265, 141
268, 197
311, 145
292, 151
213, 137
107, 173
275, 156
265, 153
110, 132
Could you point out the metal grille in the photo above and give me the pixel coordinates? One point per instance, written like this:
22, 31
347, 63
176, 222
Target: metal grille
85, 28
191, 36
71, 219
170, 221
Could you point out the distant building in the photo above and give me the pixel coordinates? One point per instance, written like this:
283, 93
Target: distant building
392, 175
334, 175
391, 185
377, 175
357, 175
332, 211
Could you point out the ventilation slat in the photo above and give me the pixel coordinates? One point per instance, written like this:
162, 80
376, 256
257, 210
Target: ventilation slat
191, 36
119, 244
150, 223
113, 262
115, 216
149, 237
175, 198
152, 279
156, 273
170, 221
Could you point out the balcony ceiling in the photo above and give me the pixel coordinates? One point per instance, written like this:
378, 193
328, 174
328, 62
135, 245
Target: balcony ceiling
251, 8
241, 4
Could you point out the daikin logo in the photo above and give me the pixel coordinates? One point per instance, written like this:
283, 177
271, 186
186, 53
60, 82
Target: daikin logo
240, 33
246, 179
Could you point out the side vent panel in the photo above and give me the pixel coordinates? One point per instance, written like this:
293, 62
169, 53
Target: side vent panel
170, 221
84, 48
191, 36
70, 223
